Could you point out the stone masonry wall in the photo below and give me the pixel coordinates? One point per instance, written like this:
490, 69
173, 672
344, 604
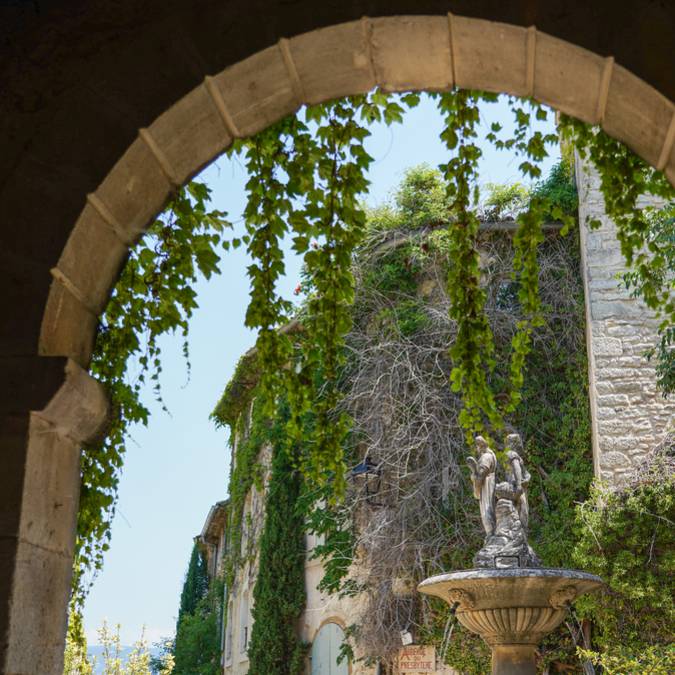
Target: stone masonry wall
629, 416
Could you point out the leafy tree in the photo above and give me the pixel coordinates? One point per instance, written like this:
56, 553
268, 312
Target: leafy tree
138, 662
421, 198
197, 646
75, 660
560, 188
162, 661
505, 201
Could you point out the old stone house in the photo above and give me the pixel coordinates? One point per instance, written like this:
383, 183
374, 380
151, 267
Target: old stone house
325, 616
628, 418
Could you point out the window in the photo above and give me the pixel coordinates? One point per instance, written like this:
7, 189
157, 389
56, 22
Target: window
222, 548
243, 624
228, 634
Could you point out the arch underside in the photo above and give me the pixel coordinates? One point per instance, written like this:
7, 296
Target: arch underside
100, 134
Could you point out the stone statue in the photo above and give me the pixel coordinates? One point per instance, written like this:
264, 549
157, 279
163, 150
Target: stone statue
483, 479
503, 507
520, 476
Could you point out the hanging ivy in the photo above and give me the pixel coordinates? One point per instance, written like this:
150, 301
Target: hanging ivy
154, 296
473, 349
306, 178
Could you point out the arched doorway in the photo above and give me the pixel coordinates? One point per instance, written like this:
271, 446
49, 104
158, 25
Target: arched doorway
326, 651
192, 80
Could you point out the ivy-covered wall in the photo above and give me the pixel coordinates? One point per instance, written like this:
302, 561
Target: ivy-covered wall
404, 418
631, 415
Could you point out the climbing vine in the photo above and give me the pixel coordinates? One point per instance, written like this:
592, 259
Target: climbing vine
306, 177
473, 349
251, 433
154, 296
646, 235
655, 279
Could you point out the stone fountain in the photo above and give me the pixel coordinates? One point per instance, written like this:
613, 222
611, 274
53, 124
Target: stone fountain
508, 599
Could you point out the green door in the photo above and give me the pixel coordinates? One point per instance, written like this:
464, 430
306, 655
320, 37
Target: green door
325, 651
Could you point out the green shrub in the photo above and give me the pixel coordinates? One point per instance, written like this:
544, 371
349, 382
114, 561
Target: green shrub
626, 537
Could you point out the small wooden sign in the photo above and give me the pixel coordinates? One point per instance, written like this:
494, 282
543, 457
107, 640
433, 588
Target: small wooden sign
417, 659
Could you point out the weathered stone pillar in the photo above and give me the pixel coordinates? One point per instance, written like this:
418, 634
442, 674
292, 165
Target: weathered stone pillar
629, 415
514, 660
38, 507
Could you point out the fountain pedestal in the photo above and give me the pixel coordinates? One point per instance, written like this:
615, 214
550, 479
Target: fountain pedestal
511, 609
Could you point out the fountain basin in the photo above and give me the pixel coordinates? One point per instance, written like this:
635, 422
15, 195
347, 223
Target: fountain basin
511, 609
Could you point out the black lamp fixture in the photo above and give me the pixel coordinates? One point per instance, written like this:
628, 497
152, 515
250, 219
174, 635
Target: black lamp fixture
371, 474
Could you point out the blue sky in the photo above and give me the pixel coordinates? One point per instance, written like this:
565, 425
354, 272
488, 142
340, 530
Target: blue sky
177, 467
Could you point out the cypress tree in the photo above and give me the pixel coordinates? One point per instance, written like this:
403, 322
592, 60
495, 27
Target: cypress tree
195, 586
279, 592
197, 646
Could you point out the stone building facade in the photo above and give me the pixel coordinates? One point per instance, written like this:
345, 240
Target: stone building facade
629, 416
325, 616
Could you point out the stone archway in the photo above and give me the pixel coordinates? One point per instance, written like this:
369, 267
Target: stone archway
398, 53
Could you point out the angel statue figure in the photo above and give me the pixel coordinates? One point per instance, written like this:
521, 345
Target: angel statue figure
519, 478
483, 479
503, 506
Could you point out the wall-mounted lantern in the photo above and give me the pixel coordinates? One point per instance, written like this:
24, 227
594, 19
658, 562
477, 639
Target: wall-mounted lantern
369, 474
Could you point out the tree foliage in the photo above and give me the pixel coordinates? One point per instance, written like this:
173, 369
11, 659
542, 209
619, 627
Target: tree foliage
196, 584
279, 592
197, 646
137, 662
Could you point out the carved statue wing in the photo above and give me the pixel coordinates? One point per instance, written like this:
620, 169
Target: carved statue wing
475, 477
